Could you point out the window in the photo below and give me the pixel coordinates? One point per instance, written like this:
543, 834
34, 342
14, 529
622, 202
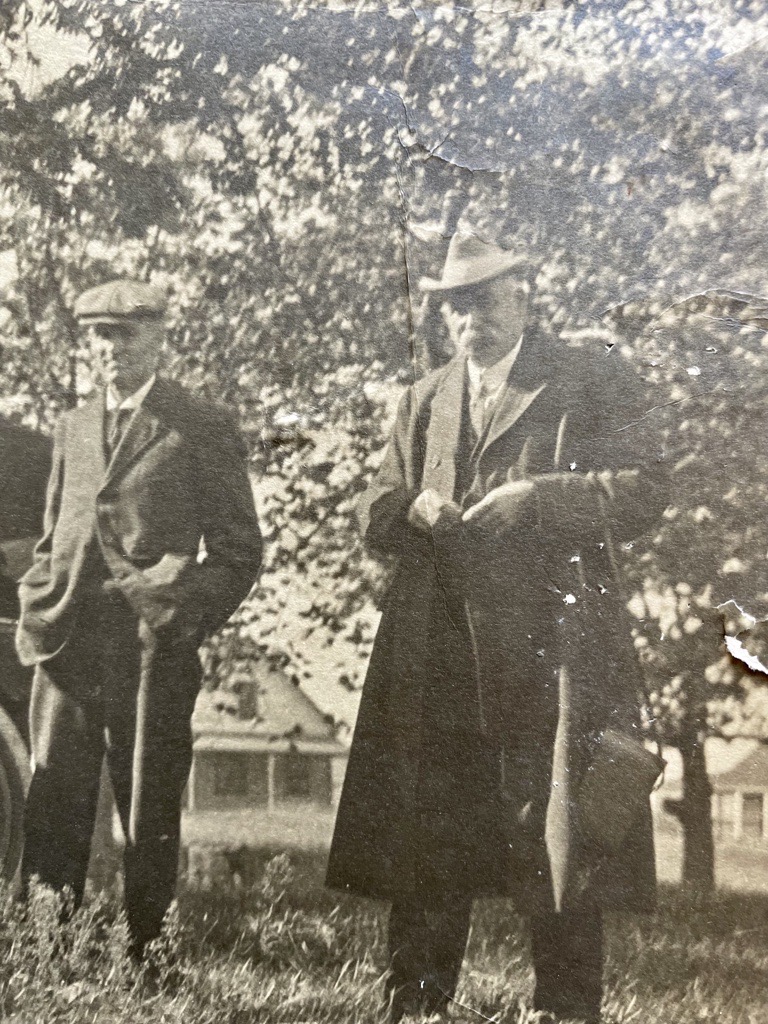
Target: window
723, 815
752, 815
230, 774
295, 782
302, 778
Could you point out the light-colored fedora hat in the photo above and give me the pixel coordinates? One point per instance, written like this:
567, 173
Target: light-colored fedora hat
470, 260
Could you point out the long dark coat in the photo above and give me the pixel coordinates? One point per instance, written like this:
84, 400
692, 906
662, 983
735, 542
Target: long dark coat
499, 661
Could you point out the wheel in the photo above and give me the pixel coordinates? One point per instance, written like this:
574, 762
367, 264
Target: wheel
15, 775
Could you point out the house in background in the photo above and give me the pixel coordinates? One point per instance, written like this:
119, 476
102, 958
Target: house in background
738, 773
267, 764
740, 799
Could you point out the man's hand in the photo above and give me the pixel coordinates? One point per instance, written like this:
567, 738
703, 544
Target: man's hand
500, 510
430, 507
150, 603
160, 596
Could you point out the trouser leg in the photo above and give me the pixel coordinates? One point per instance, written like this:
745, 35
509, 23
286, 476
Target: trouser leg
426, 950
407, 940
568, 960
149, 750
448, 934
66, 737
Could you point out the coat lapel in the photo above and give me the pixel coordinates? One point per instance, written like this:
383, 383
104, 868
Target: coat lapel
87, 446
146, 427
443, 433
511, 407
538, 368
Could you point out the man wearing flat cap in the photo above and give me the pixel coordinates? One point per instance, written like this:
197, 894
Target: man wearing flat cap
504, 652
150, 543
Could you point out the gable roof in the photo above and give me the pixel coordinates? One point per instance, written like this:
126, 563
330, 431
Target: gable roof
329, 667
751, 772
281, 709
722, 756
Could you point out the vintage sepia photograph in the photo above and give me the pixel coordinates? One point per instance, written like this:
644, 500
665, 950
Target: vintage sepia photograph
383, 535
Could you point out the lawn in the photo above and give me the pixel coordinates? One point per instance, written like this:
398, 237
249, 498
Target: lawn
278, 948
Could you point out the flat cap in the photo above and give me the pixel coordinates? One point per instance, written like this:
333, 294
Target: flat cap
118, 301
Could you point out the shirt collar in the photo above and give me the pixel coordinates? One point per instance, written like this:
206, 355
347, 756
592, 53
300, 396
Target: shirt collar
132, 401
492, 378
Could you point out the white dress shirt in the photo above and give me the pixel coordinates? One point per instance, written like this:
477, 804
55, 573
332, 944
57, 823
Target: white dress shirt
114, 401
486, 385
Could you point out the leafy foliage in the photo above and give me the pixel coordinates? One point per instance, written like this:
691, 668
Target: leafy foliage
268, 162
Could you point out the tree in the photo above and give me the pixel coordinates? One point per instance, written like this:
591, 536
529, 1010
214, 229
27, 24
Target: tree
710, 549
629, 172
267, 206
291, 172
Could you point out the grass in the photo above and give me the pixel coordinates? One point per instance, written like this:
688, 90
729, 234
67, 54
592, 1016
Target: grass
278, 948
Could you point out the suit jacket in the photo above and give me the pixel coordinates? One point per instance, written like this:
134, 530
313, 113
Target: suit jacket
176, 484
499, 660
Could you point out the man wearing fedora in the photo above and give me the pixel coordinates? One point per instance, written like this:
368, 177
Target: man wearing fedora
504, 650
150, 543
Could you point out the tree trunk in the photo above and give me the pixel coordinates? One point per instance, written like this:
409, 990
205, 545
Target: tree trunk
696, 809
696, 815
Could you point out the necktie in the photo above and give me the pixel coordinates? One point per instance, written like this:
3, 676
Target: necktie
117, 423
478, 409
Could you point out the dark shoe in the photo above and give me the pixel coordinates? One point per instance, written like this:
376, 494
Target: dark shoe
412, 1003
404, 1004
150, 982
136, 953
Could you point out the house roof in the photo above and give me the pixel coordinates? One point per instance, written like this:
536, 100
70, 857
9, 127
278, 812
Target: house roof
281, 711
331, 674
251, 743
330, 666
722, 756
751, 772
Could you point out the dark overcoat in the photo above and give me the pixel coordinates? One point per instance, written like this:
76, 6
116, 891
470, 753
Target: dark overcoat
500, 660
